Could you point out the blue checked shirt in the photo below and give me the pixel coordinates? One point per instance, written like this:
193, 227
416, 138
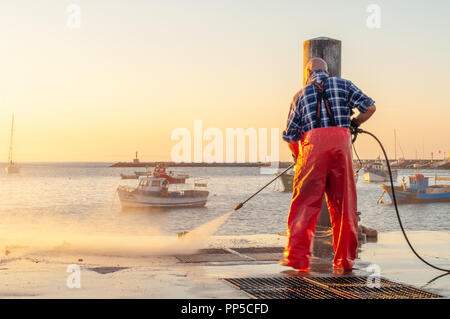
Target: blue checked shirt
342, 95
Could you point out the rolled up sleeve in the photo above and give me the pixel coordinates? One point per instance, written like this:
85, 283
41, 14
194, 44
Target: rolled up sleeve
356, 98
292, 133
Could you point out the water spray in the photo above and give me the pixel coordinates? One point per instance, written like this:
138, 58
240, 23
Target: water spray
240, 205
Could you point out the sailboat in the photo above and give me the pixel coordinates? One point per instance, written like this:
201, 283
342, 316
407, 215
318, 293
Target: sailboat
378, 171
12, 168
398, 163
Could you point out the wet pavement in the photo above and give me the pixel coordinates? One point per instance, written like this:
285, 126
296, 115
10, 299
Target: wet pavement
45, 275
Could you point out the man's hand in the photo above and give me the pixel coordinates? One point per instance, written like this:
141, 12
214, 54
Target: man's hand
294, 150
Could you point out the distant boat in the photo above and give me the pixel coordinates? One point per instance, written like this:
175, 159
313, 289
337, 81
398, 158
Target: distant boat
154, 192
147, 172
287, 179
445, 164
419, 191
12, 167
378, 172
125, 176
171, 176
160, 171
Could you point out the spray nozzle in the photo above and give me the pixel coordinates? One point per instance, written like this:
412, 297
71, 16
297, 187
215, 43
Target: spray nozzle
238, 206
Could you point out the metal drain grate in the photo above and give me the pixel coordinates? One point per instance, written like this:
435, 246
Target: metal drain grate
347, 281
292, 287
283, 288
359, 288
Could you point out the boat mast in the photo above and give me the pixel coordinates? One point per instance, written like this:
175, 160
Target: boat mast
11, 141
395, 144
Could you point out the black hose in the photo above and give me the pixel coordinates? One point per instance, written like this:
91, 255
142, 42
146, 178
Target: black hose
238, 206
395, 203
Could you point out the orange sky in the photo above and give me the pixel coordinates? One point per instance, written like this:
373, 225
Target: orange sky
134, 72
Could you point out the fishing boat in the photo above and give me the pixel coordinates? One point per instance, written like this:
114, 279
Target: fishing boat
378, 172
161, 171
171, 176
147, 172
287, 179
419, 191
12, 167
126, 176
155, 192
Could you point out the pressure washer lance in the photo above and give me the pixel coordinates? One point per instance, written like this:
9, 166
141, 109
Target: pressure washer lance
239, 206
355, 132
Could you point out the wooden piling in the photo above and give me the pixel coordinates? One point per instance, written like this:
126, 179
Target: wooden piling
329, 50
325, 48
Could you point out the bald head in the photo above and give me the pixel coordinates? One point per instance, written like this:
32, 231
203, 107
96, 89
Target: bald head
315, 64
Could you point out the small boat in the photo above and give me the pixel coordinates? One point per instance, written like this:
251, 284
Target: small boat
154, 192
287, 179
378, 172
170, 176
125, 176
419, 191
12, 167
445, 164
147, 172
161, 171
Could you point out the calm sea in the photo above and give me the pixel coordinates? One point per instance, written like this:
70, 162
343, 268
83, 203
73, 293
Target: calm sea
83, 196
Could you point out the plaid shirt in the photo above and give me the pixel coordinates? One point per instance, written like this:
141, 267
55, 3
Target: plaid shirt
342, 95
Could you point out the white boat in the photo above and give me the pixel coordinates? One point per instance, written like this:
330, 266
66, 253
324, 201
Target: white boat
12, 167
378, 172
155, 192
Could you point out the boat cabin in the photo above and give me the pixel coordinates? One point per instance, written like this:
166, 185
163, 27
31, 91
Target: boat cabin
418, 183
150, 184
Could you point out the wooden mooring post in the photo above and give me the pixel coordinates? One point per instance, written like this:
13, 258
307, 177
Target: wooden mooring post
329, 50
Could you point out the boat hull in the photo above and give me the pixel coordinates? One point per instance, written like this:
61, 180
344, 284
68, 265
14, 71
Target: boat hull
288, 182
373, 177
124, 176
405, 197
173, 200
12, 169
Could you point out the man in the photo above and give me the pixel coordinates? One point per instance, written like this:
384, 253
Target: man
319, 119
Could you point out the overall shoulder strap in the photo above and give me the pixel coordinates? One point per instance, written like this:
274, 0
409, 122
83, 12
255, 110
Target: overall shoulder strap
321, 95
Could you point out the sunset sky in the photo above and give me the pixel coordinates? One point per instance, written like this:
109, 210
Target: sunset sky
136, 70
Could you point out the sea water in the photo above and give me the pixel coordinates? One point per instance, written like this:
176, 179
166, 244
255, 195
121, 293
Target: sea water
75, 205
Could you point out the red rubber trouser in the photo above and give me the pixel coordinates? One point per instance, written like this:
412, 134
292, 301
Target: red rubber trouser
324, 165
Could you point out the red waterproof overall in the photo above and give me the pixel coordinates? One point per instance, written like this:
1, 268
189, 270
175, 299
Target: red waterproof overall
324, 165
